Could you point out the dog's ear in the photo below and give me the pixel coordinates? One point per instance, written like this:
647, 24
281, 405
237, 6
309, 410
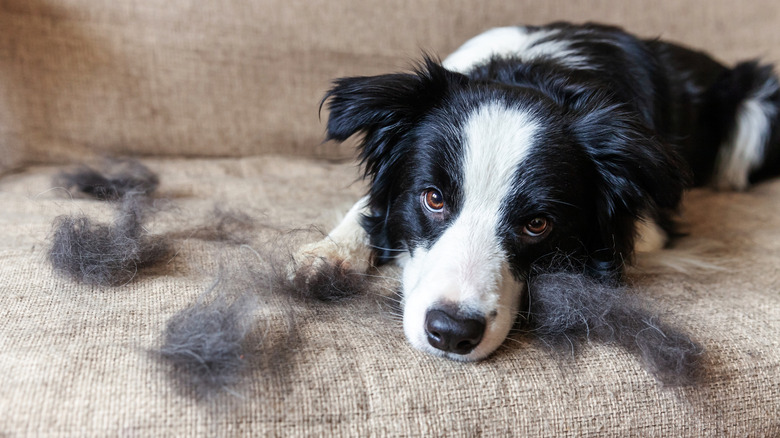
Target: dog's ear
384, 109
636, 174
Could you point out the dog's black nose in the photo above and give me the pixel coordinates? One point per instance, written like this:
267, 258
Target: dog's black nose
452, 333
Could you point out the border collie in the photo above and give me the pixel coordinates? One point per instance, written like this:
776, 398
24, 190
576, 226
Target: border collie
527, 143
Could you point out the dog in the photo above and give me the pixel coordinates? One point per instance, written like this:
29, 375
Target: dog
530, 142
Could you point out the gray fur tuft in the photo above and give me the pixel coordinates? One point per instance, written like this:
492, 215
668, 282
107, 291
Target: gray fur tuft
568, 308
209, 343
106, 254
119, 179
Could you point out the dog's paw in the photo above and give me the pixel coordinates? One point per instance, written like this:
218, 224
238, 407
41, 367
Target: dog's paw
314, 257
327, 271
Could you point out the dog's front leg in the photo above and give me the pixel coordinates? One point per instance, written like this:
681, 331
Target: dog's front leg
346, 246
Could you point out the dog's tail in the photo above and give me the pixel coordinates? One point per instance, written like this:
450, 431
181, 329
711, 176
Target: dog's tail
747, 103
688, 256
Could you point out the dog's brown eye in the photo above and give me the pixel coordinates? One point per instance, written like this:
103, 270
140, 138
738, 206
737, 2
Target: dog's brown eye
536, 227
433, 200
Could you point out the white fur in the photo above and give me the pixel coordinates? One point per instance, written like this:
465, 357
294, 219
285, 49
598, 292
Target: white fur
744, 149
505, 42
467, 265
649, 236
348, 243
692, 256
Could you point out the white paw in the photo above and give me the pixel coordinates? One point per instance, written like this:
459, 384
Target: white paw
309, 259
650, 237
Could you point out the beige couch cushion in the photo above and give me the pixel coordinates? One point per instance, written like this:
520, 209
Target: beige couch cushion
75, 359
238, 78
233, 78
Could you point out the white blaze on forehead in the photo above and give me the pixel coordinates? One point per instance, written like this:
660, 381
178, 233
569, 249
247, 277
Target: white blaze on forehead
467, 265
496, 140
515, 41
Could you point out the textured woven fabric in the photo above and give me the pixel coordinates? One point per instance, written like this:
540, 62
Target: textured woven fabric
231, 78
75, 359
238, 78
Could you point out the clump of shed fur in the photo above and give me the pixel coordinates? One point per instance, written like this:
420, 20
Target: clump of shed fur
567, 308
119, 179
209, 343
329, 282
222, 225
216, 341
212, 343
106, 254
304, 278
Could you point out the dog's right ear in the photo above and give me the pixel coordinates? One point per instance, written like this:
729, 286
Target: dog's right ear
384, 109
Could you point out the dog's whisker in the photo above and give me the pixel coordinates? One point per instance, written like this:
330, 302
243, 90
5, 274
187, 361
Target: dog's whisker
388, 298
387, 249
381, 277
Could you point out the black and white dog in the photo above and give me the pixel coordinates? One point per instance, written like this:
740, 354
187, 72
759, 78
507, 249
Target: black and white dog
529, 142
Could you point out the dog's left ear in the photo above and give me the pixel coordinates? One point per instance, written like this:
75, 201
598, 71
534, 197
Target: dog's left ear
385, 109
636, 174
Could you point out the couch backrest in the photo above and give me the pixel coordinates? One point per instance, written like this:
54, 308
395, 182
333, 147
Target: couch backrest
237, 77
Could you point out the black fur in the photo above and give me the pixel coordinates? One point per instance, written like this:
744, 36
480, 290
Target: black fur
624, 135
109, 254
620, 127
617, 169
113, 254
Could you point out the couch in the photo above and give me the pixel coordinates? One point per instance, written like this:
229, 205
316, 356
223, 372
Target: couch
220, 99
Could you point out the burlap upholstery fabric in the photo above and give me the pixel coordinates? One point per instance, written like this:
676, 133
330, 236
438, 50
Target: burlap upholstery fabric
176, 80
237, 78
75, 359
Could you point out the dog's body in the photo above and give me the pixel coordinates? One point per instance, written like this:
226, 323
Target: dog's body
529, 143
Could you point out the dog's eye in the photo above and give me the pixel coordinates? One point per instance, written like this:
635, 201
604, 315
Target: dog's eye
536, 226
433, 200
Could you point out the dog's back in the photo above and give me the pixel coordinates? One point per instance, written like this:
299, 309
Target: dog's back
723, 121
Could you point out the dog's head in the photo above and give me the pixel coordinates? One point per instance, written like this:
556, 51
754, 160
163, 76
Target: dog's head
474, 181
